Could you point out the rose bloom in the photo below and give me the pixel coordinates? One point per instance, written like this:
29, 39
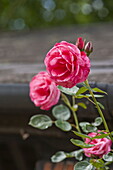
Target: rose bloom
102, 146
67, 65
43, 91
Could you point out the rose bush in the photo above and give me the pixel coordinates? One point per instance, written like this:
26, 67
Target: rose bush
67, 65
102, 146
43, 91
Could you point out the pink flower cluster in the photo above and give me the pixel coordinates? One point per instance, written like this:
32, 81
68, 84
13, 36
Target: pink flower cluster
66, 66
102, 146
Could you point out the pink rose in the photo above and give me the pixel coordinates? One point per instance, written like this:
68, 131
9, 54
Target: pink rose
66, 65
43, 91
102, 146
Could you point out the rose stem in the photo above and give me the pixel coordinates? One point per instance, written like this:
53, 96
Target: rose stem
67, 102
97, 106
75, 115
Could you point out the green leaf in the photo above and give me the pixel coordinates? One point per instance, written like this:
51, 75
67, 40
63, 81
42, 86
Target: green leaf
65, 99
40, 121
77, 154
87, 127
63, 125
61, 112
81, 143
69, 91
101, 136
98, 90
58, 157
83, 165
106, 168
88, 95
98, 163
86, 136
97, 122
81, 96
81, 90
95, 95
101, 105
108, 157
83, 126
91, 128
81, 135
82, 105
61, 155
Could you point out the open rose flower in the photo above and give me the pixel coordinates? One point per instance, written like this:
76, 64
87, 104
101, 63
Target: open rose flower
66, 65
43, 91
102, 146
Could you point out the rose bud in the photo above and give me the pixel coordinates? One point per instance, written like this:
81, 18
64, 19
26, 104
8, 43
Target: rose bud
43, 91
88, 48
80, 43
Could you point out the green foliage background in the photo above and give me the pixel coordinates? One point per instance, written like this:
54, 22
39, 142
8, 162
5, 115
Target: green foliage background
32, 14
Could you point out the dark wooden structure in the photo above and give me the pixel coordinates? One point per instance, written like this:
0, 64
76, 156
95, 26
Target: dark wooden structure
67, 165
21, 57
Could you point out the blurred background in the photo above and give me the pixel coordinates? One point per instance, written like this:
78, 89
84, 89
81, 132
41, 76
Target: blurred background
33, 14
